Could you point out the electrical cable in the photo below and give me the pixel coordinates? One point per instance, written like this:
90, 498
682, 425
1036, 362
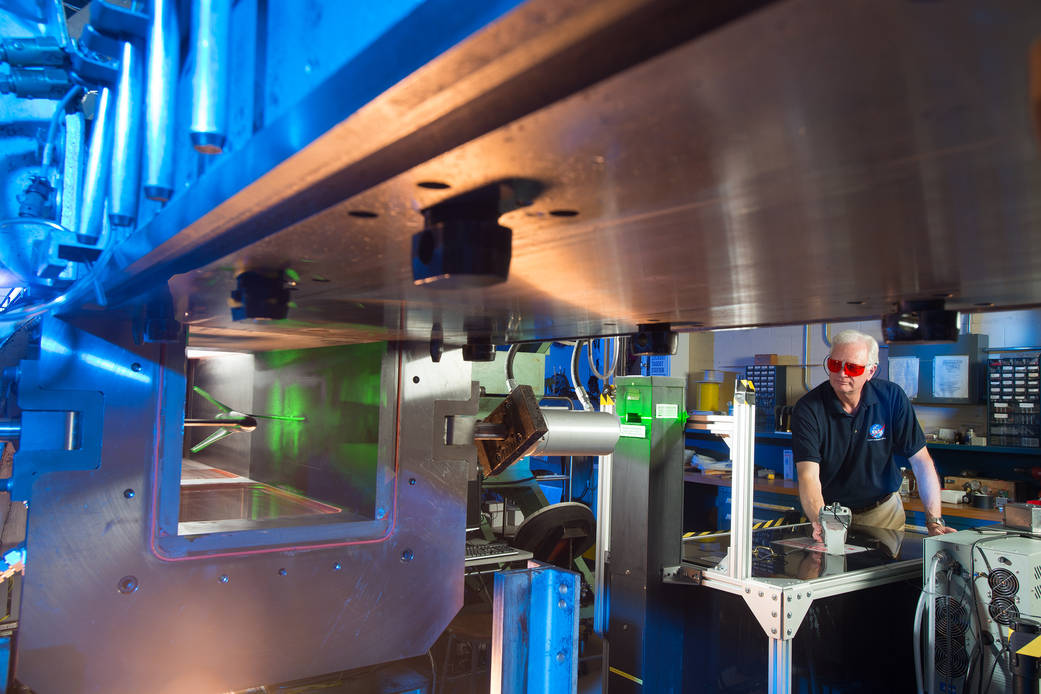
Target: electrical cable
433, 670
52, 129
975, 596
75, 290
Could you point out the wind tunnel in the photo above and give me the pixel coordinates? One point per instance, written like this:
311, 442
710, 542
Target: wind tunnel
223, 556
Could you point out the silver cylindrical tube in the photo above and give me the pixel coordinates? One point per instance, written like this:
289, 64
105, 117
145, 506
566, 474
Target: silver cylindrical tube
95, 177
10, 429
164, 61
211, 36
578, 432
125, 174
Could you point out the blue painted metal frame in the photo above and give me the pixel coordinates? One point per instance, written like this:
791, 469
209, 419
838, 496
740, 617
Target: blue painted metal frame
535, 632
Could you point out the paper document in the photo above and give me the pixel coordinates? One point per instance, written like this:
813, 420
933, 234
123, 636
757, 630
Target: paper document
903, 371
951, 376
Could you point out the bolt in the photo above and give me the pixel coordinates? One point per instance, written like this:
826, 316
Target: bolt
627, 572
283, 572
760, 593
224, 578
129, 493
799, 596
625, 627
789, 615
561, 657
748, 590
774, 596
562, 604
789, 598
127, 584
336, 566
774, 630
562, 588
774, 613
407, 555
412, 482
380, 513
789, 632
808, 593
135, 367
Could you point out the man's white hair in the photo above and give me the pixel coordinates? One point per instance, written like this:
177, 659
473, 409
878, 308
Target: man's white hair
855, 336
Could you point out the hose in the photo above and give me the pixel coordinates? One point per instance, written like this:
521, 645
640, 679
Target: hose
930, 654
511, 382
918, 642
609, 372
580, 392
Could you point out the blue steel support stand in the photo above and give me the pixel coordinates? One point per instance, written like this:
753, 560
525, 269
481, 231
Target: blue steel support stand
535, 631
5, 662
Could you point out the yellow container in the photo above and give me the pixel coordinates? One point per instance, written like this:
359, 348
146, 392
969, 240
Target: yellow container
708, 396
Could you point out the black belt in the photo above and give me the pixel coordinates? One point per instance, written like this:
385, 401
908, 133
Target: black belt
875, 504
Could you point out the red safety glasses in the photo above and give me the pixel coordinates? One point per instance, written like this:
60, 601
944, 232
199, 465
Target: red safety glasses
836, 365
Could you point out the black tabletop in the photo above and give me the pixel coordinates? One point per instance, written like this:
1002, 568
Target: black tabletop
772, 557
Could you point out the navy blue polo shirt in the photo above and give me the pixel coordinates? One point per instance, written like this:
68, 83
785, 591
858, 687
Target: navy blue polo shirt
855, 452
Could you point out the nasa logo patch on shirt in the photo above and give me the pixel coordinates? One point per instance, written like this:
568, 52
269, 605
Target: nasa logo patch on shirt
876, 432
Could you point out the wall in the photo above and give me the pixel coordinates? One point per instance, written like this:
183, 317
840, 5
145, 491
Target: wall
732, 350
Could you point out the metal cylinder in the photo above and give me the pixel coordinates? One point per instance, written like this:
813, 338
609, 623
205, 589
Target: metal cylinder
164, 60
125, 174
10, 429
211, 37
95, 177
578, 432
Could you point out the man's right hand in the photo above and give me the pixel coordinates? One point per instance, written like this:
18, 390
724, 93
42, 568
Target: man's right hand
818, 531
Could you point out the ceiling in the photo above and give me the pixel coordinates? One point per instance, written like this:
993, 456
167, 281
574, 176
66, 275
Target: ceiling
809, 161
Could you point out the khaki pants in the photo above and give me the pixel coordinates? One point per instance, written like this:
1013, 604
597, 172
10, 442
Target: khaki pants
889, 514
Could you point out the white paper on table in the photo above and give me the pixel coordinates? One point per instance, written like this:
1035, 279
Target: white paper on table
903, 371
951, 376
811, 545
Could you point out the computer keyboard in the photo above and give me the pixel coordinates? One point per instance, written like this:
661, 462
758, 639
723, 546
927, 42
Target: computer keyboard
489, 550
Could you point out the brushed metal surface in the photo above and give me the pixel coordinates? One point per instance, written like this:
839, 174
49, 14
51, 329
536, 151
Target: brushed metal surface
810, 161
184, 629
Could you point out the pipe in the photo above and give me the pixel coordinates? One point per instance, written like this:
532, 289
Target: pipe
580, 392
211, 36
10, 429
95, 177
164, 60
806, 357
577, 432
125, 174
601, 608
825, 335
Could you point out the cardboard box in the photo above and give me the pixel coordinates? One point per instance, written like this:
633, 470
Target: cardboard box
765, 359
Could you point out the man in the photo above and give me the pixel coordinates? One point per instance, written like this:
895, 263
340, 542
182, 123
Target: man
844, 434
